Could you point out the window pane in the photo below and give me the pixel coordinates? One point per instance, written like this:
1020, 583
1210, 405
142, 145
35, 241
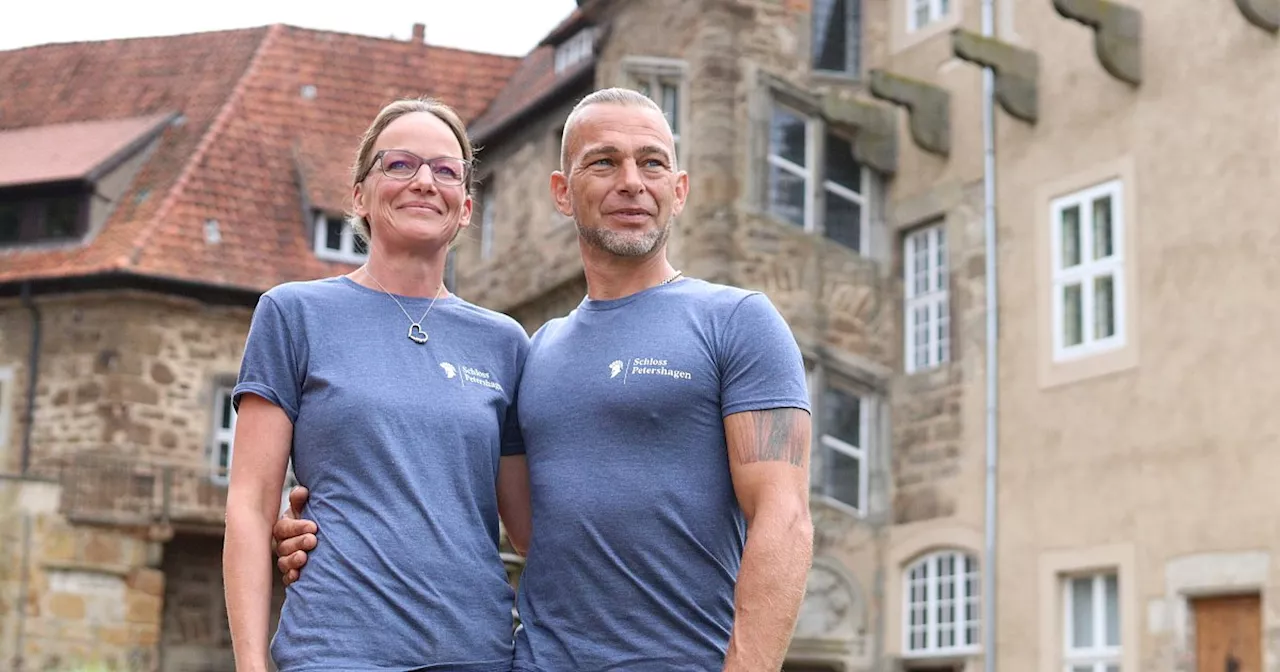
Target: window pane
842, 221
786, 195
922, 13
840, 166
844, 482
1104, 318
224, 421
644, 89
333, 233
1082, 613
1113, 668
940, 260
787, 136
1071, 236
830, 35
1081, 668
224, 455
10, 222
944, 7
1112, 592
671, 106
61, 217
1071, 316
942, 338
842, 416
1102, 229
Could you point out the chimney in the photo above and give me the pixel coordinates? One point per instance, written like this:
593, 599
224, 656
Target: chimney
420, 33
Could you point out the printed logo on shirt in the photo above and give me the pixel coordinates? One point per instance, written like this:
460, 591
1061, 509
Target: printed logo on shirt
468, 375
646, 366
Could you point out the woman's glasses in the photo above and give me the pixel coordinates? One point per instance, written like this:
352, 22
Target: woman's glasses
399, 164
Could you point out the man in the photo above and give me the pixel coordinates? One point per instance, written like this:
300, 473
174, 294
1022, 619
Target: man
667, 430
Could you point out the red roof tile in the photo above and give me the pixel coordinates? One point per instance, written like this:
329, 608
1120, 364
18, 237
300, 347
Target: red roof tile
254, 148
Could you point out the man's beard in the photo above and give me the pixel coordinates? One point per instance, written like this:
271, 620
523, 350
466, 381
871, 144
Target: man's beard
622, 244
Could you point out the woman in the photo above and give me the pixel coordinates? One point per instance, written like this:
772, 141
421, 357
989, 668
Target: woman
395, 400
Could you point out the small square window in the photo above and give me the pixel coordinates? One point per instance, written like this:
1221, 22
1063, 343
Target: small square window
336, 241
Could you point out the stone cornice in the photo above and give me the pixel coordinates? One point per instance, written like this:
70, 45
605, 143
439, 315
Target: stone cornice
1264, 14
1117, 34
876, 141
928, 108
1016, 71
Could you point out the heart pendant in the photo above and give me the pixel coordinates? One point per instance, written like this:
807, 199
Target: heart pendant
416, 334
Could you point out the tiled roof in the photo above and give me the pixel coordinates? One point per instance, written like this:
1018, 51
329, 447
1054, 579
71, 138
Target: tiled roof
272, 117
70, 151
534, 82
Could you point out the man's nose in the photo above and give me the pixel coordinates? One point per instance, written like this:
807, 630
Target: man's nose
630, 181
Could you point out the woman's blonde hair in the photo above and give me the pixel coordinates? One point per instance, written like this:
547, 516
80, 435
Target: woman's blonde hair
388, 114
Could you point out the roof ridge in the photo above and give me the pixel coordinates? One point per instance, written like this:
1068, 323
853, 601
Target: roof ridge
131, 257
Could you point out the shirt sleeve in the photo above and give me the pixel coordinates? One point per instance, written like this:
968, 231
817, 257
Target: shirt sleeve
760, 363
270, 367
512, 439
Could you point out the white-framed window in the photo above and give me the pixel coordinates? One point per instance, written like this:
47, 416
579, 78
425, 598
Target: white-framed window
488, 211
844, 438
222, 443
336, 241
921, 13
575, 49
941, 610
837, 36
926, 304
1088, 271
6, 409
1091, 637
663, 81
814, 182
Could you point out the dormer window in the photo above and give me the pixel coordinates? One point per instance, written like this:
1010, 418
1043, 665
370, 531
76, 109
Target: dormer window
51, 216
575, 49
64, 179
336, 241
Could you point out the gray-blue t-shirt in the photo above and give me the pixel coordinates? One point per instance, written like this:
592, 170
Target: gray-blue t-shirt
399, 444
637, 534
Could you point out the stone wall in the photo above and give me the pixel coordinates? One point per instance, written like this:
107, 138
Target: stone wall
127, 378
535, 247
74, 595
125, 374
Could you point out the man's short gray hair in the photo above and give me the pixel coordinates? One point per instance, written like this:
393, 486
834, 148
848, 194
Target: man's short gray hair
611, 96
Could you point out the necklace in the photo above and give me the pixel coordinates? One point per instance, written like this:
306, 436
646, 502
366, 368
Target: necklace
416, 334
673, 277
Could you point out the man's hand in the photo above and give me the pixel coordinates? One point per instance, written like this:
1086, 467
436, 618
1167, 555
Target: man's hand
294, 536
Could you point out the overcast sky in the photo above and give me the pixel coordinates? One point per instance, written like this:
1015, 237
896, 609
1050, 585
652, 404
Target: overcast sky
510, 27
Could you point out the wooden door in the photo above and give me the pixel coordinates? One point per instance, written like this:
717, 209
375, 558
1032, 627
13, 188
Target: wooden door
1228, 634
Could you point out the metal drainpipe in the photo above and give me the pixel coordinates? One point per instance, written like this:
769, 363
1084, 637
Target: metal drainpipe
33, 375
989, 228
24, 580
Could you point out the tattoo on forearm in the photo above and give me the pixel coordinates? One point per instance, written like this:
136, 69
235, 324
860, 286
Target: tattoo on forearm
774, 435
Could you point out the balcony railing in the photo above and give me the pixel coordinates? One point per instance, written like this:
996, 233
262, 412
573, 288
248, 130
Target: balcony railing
117, 490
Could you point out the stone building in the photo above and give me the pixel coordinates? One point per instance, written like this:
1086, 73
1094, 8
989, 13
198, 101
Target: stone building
836, 156
150, 190
836, 159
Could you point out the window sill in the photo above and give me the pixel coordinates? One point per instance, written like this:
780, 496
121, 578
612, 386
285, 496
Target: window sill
938, 662
339, 257
837, 78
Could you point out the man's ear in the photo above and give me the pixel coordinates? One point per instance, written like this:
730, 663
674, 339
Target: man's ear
560, 193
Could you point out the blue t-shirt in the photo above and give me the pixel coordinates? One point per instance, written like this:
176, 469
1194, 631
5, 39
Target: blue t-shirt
637, 533
399, 444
